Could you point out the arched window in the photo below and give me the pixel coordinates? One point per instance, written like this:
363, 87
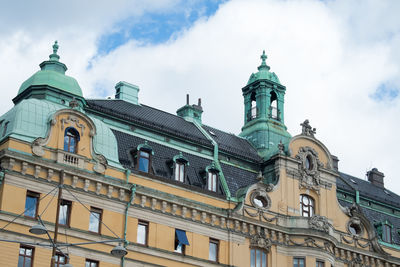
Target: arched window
307, 205
273, 106
253, 110
71, 139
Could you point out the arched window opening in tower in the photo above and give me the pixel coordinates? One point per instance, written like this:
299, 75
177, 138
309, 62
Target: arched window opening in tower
274, 106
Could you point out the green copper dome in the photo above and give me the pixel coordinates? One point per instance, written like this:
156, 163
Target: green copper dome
263, 72
52, 74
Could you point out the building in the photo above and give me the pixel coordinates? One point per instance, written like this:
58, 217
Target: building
174, 191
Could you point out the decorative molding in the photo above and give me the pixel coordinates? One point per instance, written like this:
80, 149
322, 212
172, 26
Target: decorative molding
309, 168
306, 129
260, 241
319, 223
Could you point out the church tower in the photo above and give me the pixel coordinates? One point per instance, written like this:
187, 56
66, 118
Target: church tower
264, 123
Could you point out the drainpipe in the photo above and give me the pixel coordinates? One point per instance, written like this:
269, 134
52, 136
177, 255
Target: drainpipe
357, 197
2, 174
216, 161
132, 195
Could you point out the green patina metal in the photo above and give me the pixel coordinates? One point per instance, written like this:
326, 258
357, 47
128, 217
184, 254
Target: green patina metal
264, 112
146, 147
216, 161
190, 113
30, 119
180, 157
52, 74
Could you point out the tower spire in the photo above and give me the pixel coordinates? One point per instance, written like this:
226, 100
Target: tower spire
263, 64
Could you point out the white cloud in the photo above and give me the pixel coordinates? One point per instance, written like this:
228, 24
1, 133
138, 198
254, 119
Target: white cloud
331, 57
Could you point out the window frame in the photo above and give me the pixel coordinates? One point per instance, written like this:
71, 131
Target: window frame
149, 160
319, 263
100, 218
68, 215
90, 261
71, 133
307, 210
216, 243
262, 253
182, 251
180, 168
146, 238
26, 256
57, 262
212, 174
298, 259
386, 233
33, 195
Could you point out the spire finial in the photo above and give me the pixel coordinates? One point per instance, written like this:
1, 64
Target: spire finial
54, 56
263, 64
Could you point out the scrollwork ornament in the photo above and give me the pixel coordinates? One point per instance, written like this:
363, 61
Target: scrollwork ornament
309, 168
260, 241
260, 200
320, 223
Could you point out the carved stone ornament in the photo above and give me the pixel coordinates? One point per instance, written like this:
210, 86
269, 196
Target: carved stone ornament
320, 223
260, 241
73, 121
306, 129
309, 168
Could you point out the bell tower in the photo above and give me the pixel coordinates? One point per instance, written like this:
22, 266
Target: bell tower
264, 111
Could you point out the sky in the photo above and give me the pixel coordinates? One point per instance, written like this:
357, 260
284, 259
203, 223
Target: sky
339, 61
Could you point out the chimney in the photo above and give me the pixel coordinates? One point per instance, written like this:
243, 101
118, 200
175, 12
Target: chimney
127, 92
335, 161
376, 177
191, 112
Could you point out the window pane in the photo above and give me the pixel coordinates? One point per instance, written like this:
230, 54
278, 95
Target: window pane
30, 206
143, 164
72, 144
21, 261
66, 142
141, 234
264, 259
87, 264
252, 258
301, 262
213, 252
28, 252
63, 216
94, 224
258, 260
28, 262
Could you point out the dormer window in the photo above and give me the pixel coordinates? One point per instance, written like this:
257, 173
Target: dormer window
143, 157
71, 139
143, 161
387, 233
212, 180
180, 171
307, 206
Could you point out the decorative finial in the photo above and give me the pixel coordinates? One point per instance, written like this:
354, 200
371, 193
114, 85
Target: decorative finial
55, 47
54, 56
263, 64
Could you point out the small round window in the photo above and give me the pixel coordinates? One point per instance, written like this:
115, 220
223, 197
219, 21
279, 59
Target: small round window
260, 202
354, 228
309, 163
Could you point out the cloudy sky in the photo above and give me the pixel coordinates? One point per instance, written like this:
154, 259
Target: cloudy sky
339, 60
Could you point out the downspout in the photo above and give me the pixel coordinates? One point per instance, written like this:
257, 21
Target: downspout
357, 197
216, 160
128, 205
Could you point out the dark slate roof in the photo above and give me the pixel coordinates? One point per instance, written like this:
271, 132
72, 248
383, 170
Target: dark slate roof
172, 125
376, 216
367, 189
162, 165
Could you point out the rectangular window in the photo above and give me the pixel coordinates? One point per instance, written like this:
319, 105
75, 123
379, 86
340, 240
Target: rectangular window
25, 258
65, 212
212, 181
31, 204
320, 263
180, 241
179, 172
144, 161
142, 232
386, 233
60, 260
299, 262
91, 263
258, 258
95, 220
213, 250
